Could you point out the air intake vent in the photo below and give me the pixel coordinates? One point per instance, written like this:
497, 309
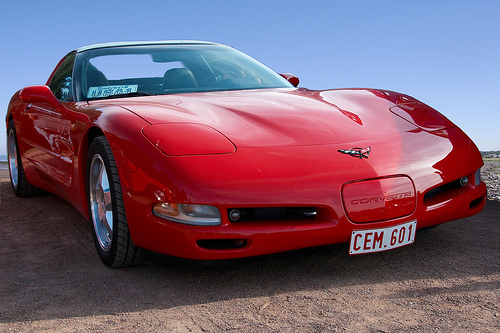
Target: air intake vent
441, 190
221, 244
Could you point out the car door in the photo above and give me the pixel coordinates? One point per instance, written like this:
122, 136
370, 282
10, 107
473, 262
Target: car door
42, 126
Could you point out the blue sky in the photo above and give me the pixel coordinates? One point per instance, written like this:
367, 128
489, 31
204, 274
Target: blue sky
445, 53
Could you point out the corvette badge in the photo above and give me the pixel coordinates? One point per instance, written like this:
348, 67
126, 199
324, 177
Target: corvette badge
357, 152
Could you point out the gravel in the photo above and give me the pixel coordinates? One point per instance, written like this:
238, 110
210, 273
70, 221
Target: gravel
490, 174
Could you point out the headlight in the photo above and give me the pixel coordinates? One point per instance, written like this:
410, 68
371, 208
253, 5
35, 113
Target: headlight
477, 177
184, 139
201, 215
422, 116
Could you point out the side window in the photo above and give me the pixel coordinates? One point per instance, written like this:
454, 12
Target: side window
61, 81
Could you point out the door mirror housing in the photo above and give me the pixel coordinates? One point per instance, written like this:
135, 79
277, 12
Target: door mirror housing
38, 94
292, 78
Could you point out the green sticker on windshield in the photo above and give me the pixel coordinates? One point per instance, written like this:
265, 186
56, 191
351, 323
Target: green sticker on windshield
105, 91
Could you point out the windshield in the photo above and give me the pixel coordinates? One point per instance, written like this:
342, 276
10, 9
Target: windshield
168, 69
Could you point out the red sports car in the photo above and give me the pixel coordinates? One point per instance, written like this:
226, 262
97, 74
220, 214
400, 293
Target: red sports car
195, 150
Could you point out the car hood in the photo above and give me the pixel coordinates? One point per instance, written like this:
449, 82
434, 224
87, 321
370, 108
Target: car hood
282, 117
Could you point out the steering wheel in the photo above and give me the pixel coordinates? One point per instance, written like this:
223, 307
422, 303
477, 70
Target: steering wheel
217, 77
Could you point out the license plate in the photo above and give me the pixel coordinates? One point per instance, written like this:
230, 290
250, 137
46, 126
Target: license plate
383, 239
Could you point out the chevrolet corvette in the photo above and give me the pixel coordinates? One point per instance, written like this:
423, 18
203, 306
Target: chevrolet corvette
196, 150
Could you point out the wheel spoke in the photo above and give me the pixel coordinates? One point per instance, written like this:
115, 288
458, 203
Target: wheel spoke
106, 200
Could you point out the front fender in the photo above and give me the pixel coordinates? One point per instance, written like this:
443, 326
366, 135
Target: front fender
123, 130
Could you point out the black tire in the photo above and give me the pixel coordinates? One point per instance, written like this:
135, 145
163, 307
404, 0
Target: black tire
20, 185
106, 208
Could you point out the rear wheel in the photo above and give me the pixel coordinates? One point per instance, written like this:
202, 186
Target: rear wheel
106, 208
18, 180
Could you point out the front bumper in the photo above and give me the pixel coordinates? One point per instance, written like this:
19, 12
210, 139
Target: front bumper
296, 177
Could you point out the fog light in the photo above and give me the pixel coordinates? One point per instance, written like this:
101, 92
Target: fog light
234, 215
464, 181
202, 215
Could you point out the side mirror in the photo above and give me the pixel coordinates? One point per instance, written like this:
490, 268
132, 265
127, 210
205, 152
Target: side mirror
294, 80
37, 94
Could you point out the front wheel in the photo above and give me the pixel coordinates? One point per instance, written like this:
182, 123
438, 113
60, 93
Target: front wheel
106, 208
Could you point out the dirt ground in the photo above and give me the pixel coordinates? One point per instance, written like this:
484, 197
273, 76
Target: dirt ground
51, 279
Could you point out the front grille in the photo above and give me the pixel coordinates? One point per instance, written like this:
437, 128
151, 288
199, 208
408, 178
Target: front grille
271, 214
